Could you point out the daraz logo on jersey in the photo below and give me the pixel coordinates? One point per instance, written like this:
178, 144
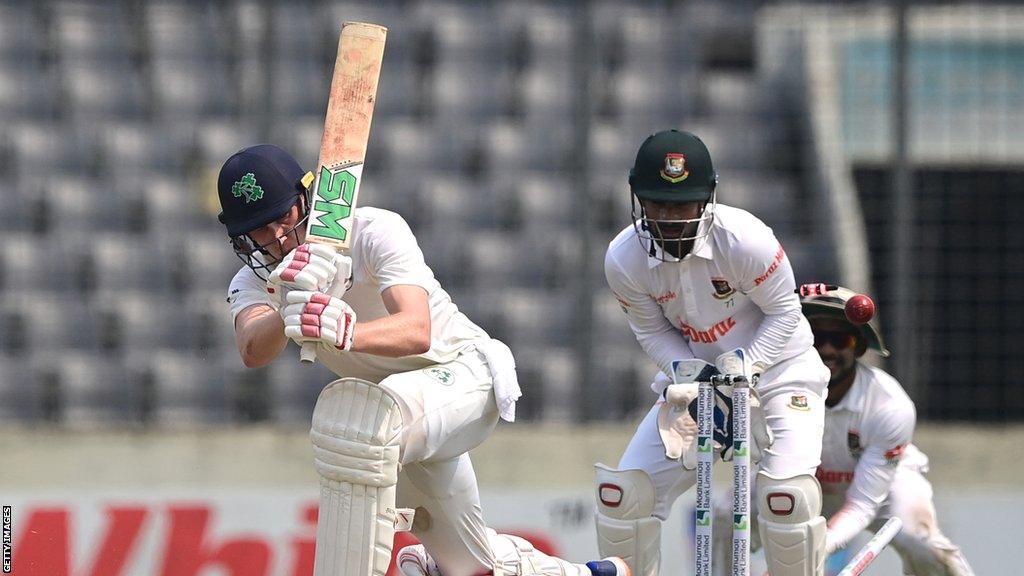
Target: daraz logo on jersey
772, 268
711, 334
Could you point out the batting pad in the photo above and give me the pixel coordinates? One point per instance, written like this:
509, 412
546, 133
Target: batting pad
625, 525
356, 426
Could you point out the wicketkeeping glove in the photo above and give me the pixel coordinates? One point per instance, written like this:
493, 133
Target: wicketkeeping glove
677, 424
317, 317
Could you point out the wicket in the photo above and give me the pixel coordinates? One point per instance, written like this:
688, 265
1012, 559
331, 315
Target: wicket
705, 474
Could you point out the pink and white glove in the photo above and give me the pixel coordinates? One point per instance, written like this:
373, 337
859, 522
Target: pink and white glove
319, 318
311, 268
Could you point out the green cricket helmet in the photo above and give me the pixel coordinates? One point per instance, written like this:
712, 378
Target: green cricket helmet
672, 167
829, 301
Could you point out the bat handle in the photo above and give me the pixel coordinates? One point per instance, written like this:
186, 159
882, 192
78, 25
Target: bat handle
308, 353
337, 289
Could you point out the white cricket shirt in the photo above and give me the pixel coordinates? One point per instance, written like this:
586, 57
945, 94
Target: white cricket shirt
867, 436
734, 290
384, 254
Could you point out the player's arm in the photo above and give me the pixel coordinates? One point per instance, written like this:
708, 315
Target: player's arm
766, 277
259, 334
873, 477
662, 342
405, 331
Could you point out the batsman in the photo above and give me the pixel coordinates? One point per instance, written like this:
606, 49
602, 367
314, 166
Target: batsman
420, 384
701, 280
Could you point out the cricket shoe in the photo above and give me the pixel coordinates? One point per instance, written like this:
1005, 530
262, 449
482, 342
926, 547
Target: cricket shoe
414, 561
610, 566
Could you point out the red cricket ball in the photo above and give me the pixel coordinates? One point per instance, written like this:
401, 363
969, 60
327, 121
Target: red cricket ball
860, 309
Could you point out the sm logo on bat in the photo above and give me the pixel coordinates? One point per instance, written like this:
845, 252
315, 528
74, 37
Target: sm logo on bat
333, 200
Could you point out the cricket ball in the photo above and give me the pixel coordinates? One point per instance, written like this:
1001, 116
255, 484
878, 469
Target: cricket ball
860, 309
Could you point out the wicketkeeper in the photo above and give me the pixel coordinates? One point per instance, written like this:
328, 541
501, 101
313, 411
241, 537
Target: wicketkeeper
698, 279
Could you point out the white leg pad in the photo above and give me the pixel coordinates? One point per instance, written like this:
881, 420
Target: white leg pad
626, 526
355, 434
791, 525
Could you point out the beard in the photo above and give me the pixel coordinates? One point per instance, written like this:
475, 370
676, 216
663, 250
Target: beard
841, 371
669, 241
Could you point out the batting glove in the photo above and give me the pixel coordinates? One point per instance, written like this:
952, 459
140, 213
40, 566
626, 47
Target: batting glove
317, 317
311, 268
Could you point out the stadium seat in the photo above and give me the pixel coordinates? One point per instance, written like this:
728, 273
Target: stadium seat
463, 31
93, 391
120, 262
42, 263
18, 390
470, 91
187, 390
37, 145
91, 31
298, 86
140, 146
184, 31
512, 147
27, 91
191, 89
52, 322
210, 332
215, 140
143, 320
494, 260
19, 40
294, 388
548, 91
414, 148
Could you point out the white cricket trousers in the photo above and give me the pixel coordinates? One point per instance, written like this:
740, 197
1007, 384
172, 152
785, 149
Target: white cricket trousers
447, 410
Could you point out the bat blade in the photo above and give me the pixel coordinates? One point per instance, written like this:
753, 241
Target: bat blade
346, 136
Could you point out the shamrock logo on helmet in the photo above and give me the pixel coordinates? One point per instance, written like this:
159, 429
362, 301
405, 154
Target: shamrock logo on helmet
247, 187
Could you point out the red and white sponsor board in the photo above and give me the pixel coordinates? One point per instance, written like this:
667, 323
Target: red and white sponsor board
245, 532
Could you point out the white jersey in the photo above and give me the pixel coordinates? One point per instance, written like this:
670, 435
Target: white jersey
384, 254
734, 290
867, 437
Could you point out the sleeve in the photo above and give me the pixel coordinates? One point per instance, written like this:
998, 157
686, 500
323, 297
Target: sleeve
245, 290
656, 335
393, 256
766, 276
873, 477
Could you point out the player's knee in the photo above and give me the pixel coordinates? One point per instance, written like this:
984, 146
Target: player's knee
792, 529
790, 501
626, 526
355, 433
624, 494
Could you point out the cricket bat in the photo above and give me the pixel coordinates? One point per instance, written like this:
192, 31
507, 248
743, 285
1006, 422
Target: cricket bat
343, 147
